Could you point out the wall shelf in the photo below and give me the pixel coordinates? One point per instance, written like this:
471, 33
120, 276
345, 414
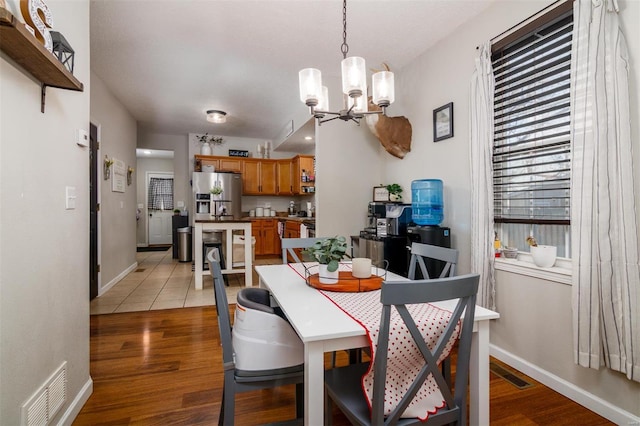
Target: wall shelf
27, 51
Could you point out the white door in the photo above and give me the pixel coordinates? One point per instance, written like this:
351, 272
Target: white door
160, 211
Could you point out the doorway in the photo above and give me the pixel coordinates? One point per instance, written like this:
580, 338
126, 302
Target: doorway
151, 223
93, 211
160, 206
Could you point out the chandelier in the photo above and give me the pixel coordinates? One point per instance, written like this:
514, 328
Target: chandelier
354, 86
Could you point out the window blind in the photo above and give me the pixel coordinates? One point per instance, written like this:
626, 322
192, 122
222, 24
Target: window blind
532, 150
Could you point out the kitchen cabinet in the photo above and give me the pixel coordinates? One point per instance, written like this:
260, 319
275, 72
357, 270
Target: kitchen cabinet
285, 177
220, 164
259, 177
304, 174
265, 232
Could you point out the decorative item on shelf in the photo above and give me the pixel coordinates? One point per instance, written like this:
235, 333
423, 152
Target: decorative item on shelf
130, 171
543, 256
108, 162
354, 85
395, 192
267, 149
176, 212
260, 151
37, 19
63, 50
205, 140
510, 252
328, 253
380, 193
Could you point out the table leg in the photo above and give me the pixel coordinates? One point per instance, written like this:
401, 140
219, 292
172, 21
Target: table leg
313, 383
479, 376
197, 248
248, 265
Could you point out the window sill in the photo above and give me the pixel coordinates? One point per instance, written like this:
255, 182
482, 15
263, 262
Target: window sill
523, 265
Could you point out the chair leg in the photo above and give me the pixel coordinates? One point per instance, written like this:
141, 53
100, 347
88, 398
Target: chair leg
227, 410
299, 400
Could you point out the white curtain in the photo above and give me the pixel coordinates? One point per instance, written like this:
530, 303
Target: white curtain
482, 231
606, 274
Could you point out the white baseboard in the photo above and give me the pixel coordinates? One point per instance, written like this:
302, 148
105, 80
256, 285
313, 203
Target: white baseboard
117, 279
76, 405
594, 403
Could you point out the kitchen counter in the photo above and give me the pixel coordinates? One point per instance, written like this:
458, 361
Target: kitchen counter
282, 218
241, 220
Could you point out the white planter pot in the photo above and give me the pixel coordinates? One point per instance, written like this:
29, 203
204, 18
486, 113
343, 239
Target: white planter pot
544, 256
205, 149
327, 277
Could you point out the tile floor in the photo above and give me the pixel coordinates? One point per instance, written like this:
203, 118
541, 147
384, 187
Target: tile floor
161, 282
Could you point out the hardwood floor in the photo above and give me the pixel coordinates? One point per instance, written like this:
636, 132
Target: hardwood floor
164, 368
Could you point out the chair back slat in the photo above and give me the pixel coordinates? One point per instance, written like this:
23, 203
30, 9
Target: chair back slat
290, 244
398, 294
441, 255
222, 309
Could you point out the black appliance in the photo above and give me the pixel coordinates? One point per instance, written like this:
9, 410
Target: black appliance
433, 235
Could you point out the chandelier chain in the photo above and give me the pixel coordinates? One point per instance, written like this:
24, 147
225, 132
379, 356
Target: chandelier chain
345, 47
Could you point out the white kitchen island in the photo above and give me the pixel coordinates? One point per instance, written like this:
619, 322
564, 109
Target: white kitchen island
228, 226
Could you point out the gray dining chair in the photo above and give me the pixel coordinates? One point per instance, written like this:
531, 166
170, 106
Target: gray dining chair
343, 385
236, 381
431, 259
289, 246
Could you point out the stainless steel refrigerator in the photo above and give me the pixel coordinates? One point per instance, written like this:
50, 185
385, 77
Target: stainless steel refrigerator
224, 206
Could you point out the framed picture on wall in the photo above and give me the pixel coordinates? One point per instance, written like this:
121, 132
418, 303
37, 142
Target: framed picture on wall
443, 122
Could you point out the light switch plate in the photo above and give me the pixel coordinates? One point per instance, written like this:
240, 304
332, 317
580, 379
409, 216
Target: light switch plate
70, 197
82, 137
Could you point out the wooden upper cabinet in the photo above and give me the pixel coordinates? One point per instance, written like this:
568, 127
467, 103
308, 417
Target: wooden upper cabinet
269, 177
285, 177
230, 164
259, 177
303, 165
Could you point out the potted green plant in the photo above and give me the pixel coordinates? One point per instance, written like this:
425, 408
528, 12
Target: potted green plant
328, 253
216, 191
395, 192
176, 212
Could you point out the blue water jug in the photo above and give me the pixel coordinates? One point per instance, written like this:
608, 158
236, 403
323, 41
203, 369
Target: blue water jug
426, 202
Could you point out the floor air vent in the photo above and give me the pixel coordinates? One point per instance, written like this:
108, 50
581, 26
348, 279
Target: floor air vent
509, 376
140, 270
47, 401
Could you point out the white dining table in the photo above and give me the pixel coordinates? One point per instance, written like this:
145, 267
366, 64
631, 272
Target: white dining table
323, 327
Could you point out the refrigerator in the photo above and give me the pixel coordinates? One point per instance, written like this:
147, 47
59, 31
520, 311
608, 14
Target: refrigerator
224, 206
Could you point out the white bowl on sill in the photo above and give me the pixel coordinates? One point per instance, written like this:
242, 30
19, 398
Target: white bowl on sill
544, 256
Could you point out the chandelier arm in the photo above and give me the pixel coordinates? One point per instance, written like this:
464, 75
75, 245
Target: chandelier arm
320, 121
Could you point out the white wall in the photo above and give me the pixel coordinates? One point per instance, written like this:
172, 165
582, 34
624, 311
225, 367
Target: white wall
117, 136
44, 248
541, 334
348, 166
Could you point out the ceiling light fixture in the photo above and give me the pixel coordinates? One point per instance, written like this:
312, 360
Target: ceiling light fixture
216, 116
354, 86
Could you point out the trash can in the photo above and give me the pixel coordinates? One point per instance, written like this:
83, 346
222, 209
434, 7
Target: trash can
184, 244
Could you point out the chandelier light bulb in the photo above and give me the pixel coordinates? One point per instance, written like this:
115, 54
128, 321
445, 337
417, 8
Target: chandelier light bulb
383, 88
354, 76
310, 81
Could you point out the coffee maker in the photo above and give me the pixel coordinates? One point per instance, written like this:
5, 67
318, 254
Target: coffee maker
387, 219
384, 240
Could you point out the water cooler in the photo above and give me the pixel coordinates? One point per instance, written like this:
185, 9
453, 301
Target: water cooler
428, 213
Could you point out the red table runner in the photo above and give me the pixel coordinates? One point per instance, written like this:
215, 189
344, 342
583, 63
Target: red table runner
404, 358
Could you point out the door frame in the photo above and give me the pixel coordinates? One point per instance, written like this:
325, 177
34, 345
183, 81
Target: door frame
147, 176
97, 188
